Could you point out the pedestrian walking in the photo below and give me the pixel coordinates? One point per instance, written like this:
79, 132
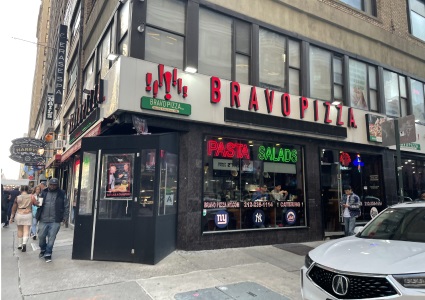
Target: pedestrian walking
36, 193
22, 212
4, 204
53, 209
12, 197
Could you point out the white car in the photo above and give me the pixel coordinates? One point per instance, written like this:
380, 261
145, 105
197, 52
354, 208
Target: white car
385, 260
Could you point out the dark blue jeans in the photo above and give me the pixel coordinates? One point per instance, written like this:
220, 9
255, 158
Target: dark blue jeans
47, 235
349, 225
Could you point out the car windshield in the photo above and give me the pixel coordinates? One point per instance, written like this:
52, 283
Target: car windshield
402, 223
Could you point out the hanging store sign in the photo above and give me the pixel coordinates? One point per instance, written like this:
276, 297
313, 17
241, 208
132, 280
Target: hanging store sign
84, 125
60, 64
50, 106
28, 151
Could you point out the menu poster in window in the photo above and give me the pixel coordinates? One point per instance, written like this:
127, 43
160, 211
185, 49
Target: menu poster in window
150, 161
119, 181
374, 127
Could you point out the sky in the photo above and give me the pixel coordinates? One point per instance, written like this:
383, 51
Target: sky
19, 20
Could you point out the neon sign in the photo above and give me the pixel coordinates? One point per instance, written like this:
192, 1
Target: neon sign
227, 149
277, 154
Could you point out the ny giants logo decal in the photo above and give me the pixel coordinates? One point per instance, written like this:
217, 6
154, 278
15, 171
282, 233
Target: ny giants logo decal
168, 78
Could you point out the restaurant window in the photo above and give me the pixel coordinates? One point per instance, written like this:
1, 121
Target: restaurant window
165, 32
413, 177
326, 75
418, 100
368, 6
395, 94
239, 177
417, 18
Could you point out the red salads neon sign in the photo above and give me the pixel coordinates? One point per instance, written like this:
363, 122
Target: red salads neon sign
227, 149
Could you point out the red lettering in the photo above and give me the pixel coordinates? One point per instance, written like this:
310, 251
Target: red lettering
230, 150
351, 121
303, 106
211, 146
286, 104
160, 74
235, 90
328, 111
316, 110
215, 89
227, 150
253, 102
269, 100
339, 115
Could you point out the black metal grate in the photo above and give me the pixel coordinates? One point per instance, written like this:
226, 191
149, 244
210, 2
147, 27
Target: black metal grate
360, 287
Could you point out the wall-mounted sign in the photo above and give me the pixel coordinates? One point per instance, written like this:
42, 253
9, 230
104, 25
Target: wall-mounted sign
277, 154
50, 106
258, 217
84, 125
166, 106
374, 127
60, 64
290, 217
227, 149
28, 151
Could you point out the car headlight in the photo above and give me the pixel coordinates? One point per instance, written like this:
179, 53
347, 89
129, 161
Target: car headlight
308, 261
412, 281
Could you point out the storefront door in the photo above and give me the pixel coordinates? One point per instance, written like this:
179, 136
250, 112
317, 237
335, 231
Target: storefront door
120, 202
363, 172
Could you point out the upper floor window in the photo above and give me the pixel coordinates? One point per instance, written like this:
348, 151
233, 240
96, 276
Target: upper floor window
417, 18
165, 32
279, 62
72, 73
363, 86
368, 6
326, 75
222, 41
75, 23
395, 94
418, 100
123, 29
103, 51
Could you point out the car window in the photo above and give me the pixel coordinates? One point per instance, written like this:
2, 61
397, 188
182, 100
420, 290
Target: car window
403, 223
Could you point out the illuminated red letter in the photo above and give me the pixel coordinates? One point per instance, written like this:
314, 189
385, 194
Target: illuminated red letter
327, 113
339, 115
215, 90
303, 106
253, 102
235, 90
286, 104
269, 100
211, 146
316, 110
351, 121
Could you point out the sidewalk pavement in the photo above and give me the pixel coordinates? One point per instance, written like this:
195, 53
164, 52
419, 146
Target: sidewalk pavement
260, 272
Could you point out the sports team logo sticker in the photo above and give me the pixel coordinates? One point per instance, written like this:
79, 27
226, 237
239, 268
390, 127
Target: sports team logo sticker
373, 212
258, 217
221, 219
290, 217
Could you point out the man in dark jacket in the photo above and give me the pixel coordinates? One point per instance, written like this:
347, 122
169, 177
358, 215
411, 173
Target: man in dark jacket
13, 194
54, 209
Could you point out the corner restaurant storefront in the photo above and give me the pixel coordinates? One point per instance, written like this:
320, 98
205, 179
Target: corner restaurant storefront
190, 182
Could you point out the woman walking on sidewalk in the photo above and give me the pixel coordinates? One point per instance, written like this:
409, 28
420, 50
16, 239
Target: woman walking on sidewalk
22, 211
36, 194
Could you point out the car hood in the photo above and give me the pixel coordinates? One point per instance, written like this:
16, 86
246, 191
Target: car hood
353, 254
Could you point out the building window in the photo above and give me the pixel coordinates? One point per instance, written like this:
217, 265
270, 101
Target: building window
239, 177
222, 41
272, 60
165, 31
72, 73
395, 94
326, 75
368, 6
215, 44
418, 100
103, 51
123, 29
75, 24
279, 62
417, 18
89, 75
363, 86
